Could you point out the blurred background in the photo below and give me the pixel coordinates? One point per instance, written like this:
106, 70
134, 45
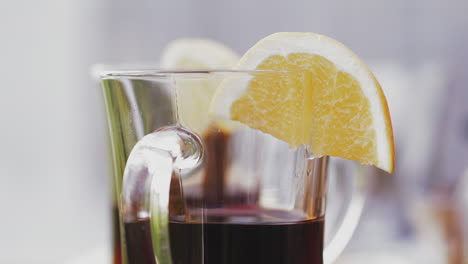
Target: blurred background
54, 171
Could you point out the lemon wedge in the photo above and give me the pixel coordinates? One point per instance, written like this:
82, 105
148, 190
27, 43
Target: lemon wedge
330, 102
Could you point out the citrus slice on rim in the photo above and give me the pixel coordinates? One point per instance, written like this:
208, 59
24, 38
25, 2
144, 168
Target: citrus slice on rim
194, 95
330, 102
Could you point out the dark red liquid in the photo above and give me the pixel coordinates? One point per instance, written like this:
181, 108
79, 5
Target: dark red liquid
247, 237
233, 237
117, 249
138, 242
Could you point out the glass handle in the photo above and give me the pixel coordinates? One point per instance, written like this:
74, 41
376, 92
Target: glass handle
351, 215
146, 190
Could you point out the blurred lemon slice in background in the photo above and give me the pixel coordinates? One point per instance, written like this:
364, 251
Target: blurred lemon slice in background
332, 103
197, 54
194, 94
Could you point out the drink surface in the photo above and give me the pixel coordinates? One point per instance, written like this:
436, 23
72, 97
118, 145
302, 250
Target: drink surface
246, 236
233, 236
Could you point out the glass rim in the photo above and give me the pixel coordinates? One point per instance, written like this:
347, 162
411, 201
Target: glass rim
146, 73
